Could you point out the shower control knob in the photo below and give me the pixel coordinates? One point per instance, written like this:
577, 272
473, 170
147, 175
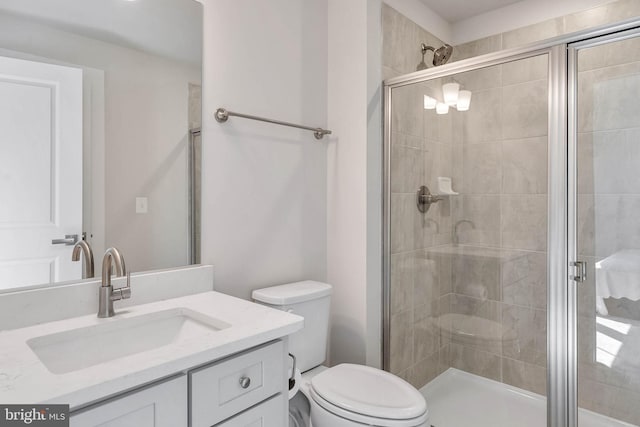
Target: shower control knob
245, 382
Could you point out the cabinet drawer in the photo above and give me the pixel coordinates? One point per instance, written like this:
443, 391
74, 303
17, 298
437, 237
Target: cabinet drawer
268, 414
160, 405
226, 388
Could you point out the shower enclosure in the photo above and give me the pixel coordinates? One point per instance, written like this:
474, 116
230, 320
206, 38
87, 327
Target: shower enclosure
512, 238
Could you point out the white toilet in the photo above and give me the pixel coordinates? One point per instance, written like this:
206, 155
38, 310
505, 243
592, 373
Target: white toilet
345, 395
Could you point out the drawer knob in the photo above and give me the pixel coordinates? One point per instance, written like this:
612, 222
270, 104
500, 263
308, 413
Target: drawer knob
245, 382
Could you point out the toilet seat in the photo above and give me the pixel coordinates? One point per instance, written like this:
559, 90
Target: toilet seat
368, 396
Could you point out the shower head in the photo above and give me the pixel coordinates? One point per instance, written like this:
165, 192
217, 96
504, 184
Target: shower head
440, 55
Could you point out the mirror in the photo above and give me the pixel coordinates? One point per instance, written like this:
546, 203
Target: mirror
100, 110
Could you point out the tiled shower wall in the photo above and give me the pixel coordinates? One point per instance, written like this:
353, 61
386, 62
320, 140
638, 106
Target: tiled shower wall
497, 303
495, 285
421, 151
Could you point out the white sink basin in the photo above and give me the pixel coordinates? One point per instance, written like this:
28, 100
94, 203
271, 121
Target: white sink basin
76, 349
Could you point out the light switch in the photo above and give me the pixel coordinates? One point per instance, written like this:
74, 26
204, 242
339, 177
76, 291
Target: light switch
141, 205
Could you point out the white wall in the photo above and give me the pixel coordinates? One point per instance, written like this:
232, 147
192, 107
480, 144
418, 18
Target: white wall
264, 186
278, 206
145, 139
354, 180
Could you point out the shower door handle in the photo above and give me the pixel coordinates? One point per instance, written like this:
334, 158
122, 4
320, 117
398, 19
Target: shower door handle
581, 270
69, 240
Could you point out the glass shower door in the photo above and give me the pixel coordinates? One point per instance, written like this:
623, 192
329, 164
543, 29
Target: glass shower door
607, 226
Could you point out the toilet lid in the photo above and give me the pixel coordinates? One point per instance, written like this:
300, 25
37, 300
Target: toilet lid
369, 391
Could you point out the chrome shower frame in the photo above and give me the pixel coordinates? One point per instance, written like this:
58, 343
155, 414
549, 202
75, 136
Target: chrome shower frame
561, 304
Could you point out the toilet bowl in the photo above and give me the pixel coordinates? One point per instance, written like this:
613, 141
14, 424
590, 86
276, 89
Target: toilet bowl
345, 395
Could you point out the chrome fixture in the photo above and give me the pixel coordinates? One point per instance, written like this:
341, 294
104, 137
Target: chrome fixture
84, 247
223, 115
69, 240
424, 199
455, 229
195, 179
581, 269
441, 55
292, 379
108, 294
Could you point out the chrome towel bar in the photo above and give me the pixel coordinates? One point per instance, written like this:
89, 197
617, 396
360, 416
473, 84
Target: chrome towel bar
223, 115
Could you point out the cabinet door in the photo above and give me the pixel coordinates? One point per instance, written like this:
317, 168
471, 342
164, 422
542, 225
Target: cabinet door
266, 414
162, 405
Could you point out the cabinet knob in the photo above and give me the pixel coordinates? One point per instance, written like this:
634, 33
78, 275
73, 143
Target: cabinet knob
245, 382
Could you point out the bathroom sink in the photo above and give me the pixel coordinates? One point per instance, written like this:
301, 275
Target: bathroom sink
77, 349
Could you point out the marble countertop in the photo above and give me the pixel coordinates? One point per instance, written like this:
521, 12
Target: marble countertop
25, 379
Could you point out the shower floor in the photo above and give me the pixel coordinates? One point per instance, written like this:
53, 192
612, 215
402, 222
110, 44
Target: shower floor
460, 399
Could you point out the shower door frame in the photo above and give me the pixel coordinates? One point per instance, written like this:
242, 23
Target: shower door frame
562, 406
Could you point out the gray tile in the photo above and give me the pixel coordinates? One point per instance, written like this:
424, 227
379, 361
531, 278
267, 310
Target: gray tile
406, 169
532, 33
484, 214
476, 276
406, 231
483, 121
585, 163
524, 280
525, 70
482, 168
426, 288
397, 34
403, 277
616, 223
525, 334
475, 361
401, 341
616, 158
586, 225
480, 79
605, 14
525, 166
407, 111
477, 47
607, 98
615, 53
424, 371
525, 110
524, 375
404, 140
524, 222
426, 338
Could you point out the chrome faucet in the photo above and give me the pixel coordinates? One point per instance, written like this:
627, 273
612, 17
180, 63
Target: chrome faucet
84, 247
108, 294
455, 229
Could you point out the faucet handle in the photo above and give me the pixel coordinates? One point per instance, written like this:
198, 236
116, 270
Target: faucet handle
124, 292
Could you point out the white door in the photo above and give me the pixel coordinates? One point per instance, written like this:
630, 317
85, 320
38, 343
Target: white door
40, 171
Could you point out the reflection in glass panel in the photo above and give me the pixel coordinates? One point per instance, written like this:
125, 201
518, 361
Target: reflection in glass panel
469, 275
609, 229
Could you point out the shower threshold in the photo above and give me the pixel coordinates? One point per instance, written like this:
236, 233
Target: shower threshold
460, 399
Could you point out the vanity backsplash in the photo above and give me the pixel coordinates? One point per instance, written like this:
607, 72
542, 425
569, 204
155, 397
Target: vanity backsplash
30, 307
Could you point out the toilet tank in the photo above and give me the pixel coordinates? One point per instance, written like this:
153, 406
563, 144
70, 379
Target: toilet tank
311, 300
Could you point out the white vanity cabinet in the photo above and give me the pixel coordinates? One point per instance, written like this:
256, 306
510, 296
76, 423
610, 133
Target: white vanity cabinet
161, 405
246, 389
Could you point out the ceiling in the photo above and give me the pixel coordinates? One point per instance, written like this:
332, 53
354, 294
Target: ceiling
457, 10
169, 28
